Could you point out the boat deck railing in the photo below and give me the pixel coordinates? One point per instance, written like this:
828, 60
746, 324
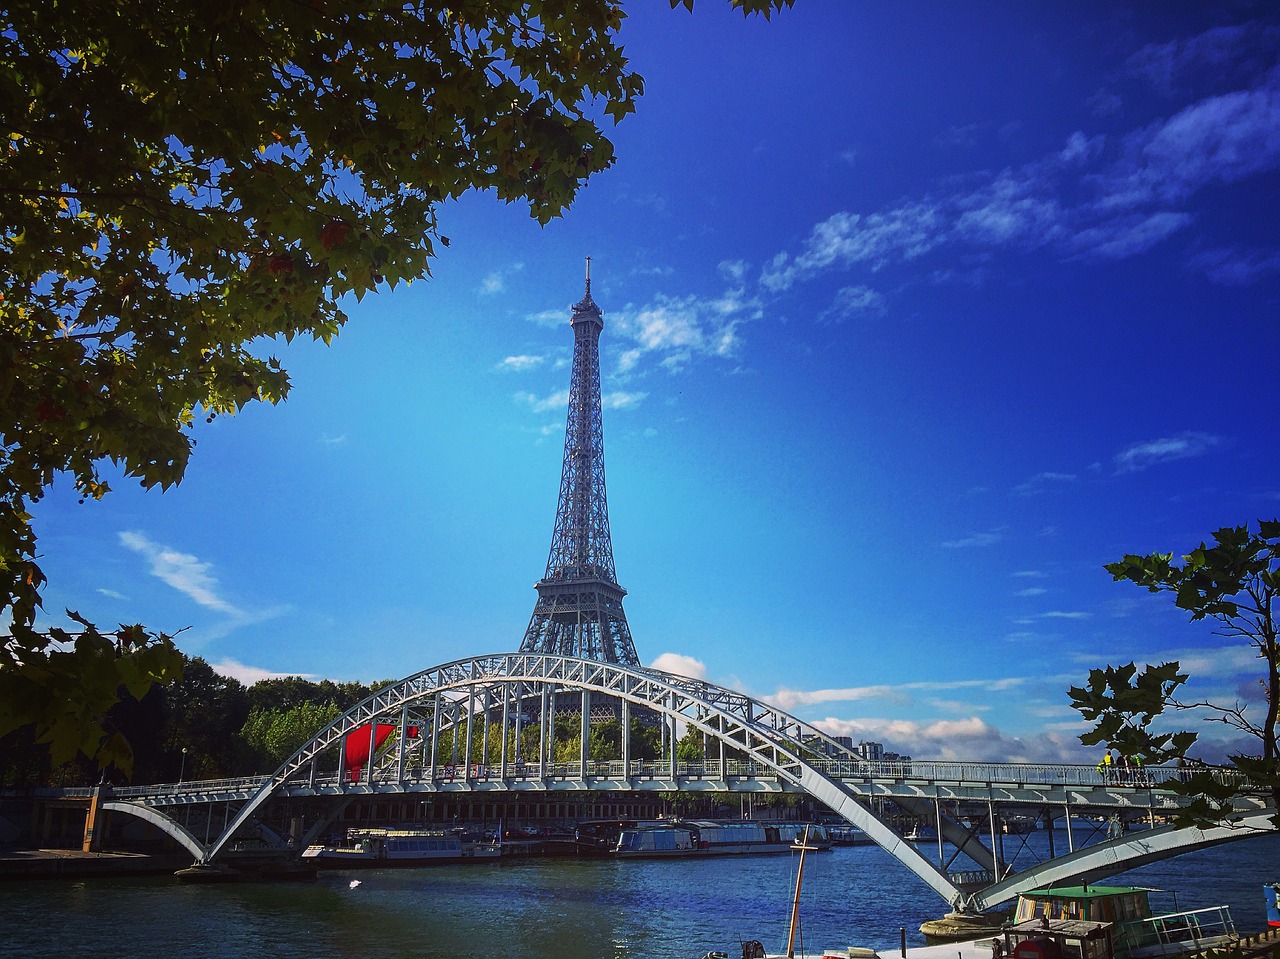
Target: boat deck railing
1209, 925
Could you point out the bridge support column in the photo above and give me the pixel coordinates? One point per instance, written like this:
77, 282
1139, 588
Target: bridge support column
584, 750
466, 751
506, 719
95, 820
626, 739
435, 738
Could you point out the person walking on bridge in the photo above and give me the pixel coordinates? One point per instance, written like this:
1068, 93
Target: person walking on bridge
1104, 766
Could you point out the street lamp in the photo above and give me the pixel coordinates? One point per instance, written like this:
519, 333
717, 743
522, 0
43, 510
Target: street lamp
182, 772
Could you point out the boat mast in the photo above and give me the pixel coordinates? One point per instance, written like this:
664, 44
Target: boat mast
795, 902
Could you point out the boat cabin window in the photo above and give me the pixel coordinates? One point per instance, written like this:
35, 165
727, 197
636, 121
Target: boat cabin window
1094, 905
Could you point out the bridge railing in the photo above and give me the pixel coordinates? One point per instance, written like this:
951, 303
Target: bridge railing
965, 773
191, 787
1018, 774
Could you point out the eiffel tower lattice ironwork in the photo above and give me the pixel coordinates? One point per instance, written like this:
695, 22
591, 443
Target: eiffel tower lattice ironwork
579, 607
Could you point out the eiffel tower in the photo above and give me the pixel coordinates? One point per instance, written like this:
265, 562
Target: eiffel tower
579, 606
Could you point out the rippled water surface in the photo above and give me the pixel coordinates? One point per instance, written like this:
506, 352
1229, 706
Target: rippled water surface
545, 909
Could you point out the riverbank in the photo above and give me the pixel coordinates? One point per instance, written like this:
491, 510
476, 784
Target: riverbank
20, 864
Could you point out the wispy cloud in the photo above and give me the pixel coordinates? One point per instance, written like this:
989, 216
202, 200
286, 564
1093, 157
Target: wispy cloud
111, 593
183, 571
959, 136
1144, 455
558, 400
1219, 139
846, 239
1065, 614
1094, 197
1032, 591
1040, 481
1232, 267
854, 301
974, 539
901, 693
677, 330
621, 400
519, 364
251, 674
496, 281
553, 319
1232, 47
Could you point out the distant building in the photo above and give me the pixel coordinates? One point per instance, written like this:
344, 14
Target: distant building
872, 752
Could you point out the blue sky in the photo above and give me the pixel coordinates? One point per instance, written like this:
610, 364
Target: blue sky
915, 315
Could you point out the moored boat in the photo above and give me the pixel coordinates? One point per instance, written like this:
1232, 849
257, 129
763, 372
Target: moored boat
1090, 922
1117, 921
398, 847
709, 838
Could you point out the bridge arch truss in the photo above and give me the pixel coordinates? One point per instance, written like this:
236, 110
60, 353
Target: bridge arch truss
438, 730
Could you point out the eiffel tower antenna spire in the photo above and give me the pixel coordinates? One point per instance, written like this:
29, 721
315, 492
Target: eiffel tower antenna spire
579, 607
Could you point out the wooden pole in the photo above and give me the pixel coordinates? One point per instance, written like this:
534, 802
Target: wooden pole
795, 902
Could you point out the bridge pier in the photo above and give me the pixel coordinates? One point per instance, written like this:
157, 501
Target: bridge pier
94, 820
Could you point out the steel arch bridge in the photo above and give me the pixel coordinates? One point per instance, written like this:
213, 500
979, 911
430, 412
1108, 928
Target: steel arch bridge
462, 715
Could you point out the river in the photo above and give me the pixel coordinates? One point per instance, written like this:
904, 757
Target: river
546, 909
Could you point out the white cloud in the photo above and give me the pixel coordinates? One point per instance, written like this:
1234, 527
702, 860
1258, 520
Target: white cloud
496, 281
111, 593
681, 665
1080, 147
1094, 197
620, 400
733, 270
967, 739
851, 301
558, 400
789, 699
1126, 236
184, 572
845, 239
519, 364
1219, 139
678, 330
549, 318
1032, 591
1065, 614
1141, 456
251, 674
1014, 208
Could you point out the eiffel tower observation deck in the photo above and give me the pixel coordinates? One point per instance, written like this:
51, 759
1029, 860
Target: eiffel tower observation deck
579, 606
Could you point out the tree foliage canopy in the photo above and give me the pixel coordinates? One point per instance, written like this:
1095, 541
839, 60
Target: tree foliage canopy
183, 182
1236, 583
